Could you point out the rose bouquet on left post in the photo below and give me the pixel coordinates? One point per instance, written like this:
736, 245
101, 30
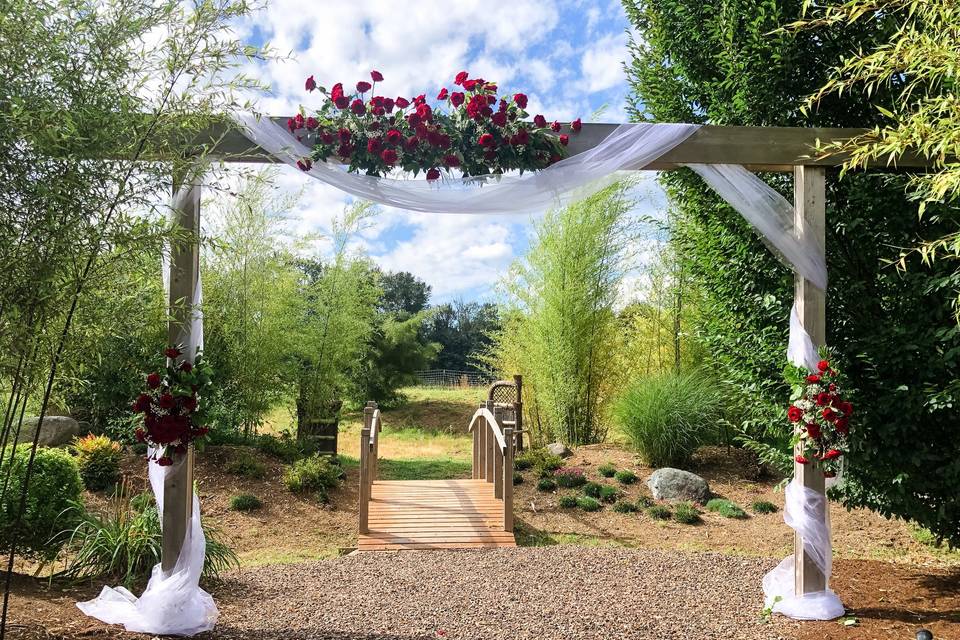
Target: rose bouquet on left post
171, 408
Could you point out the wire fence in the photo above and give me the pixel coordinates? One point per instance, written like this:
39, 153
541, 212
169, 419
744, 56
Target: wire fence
452, 378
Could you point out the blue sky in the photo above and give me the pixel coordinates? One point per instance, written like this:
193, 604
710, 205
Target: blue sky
566, 55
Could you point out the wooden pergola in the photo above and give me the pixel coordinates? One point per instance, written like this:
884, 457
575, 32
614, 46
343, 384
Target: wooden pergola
779, 149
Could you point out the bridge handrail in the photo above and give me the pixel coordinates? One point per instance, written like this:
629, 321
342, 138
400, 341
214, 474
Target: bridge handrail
492, 422
493, 449
369, 458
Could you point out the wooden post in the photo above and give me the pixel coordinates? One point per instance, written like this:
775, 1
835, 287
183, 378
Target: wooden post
184, 274
476, 451
518, 411
375, 441
508, 480
809, 193
364, 495
482, 446
491, 444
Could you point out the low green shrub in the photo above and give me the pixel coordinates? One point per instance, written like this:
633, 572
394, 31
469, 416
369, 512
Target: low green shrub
315, 474
569, 477
124, 543
685, 513
659, 512
567, 502
626, 477
546, 484
762, 506
592, 489
540, 460
517, 478
607, 470
284, 447
245, 502
52, 505
608, 493
588, 504
245, 465
645, 502
668, 417
726, 508
98, 458
623, 506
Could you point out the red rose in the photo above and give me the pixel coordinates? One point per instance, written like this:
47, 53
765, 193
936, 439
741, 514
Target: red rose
305, 164
842, 425
433, 174
153, 380
469, 85
576, 125
357, 106
166, 401
456, 98
344, 135
823, 398
794, 413
291, 124
310, 84
846, 408
832, 387
190, 403
388, 104
312, 123
539, 120
342, 102
420, 99
172, 352
413, 119
486, 140
443, 94
813, 378
326, 137
424, 111
402, 102
555, 125
337, 92
376, 101
389, 156
801, 460
829, 414
394, 137
521, 137
823, 365
499, 119
813, 430
165, 461
564, 139
460, 79
520, 100
373, 145
376, 76
411, 143
363, 87
345, 150
832, 454
450, 160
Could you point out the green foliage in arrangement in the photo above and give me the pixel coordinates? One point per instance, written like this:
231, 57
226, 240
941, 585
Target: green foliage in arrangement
124, 543
546, 484
607, 470
588, 504
567, 502
569, 477
623, 506
245, 502
726, 508
560, 330
314, 474
668, 417
659, 512
98, 458
763, 506
686, 513
55, 488
625, 476
244, 464
541, 460
905, 370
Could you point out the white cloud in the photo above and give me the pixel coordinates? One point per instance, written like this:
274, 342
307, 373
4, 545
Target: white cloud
602, 63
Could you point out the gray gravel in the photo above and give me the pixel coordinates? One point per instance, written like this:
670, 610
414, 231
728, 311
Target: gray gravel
561, 592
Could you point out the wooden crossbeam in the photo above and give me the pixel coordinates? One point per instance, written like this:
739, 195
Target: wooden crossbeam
758, 148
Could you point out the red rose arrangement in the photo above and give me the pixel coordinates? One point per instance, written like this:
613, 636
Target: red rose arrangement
820, 415
170, 406
467, 127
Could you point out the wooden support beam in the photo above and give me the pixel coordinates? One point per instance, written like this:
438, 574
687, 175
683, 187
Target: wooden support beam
184, 274
508, 480
809, 189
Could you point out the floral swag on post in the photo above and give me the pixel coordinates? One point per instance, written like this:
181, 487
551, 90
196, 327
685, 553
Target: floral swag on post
478, 133
823, 416
172, 415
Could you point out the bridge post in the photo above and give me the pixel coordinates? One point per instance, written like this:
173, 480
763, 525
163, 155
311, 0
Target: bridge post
518, 411
490, 444
508, 480
364, 493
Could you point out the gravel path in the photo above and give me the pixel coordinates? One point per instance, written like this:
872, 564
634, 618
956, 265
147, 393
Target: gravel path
547, 593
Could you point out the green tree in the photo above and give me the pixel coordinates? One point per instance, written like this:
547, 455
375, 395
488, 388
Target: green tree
463, 330
559, 329
397, 350
732, 64
403, 292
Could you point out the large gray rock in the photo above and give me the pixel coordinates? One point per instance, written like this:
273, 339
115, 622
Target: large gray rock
56, 431
558, 449
677, 484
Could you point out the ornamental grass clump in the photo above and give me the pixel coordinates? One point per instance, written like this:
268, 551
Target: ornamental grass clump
588, 504
517, 478
591, 489
608, 493
623, 506
569, 477
546, 484
245, 502
607, 470
645, 502
625, 477
763, 507
316, 474
667, 418
567, 502
245, 465
98, 458
726, 508
686, 513
659, 512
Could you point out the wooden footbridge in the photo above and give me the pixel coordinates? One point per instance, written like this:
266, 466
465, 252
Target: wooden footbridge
445, 514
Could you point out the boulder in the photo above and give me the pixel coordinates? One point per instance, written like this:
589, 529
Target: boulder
677, 484
56, 431
558, 449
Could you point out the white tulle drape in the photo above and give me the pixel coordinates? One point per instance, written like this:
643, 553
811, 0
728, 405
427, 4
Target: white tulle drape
173, 602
